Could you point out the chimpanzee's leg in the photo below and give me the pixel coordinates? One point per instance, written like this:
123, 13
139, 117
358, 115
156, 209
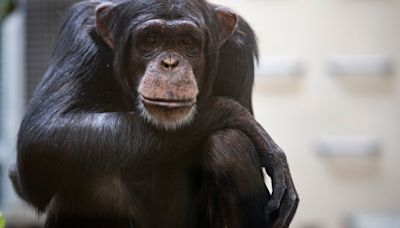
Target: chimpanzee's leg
233, 185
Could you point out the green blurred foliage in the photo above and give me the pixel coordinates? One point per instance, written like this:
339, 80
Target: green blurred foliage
2, 221
6, 7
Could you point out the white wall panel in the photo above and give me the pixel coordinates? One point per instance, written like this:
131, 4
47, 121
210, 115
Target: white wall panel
299, 111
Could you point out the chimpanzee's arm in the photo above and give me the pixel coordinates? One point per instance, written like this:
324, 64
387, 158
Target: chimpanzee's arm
235, 80
13, 174
55, 153
284, 199
75, 145
73, 125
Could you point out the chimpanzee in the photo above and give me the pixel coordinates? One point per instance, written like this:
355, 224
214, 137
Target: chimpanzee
140, 122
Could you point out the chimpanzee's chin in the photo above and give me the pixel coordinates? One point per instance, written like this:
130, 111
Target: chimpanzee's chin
167, 118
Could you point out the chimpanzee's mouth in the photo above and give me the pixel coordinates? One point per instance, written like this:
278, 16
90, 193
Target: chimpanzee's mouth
167, 103
166, 113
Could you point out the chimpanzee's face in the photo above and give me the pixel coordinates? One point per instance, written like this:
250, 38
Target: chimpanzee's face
171, 55
165, 61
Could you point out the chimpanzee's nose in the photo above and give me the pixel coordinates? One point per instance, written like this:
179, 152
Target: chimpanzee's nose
170, 62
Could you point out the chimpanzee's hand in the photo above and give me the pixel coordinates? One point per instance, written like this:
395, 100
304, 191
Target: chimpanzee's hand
284, 200
283, 203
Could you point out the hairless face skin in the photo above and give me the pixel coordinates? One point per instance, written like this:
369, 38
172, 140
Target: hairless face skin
168, 89
170, 53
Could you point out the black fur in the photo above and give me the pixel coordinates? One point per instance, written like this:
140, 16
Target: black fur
89, 159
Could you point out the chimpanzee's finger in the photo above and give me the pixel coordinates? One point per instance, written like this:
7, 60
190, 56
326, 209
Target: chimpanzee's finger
292, 194
289, 205
279, 187
291, 216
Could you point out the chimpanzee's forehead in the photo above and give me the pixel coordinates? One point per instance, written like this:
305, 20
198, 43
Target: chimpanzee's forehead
144, 10
169, 24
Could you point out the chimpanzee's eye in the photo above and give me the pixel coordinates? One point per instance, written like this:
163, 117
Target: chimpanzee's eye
187, 41
151, 40
149, 44
191, 46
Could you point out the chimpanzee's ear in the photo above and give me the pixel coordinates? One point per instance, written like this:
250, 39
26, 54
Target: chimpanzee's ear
103, 15
228, 21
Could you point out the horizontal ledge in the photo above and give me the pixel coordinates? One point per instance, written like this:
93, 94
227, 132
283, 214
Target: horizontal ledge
361, 65
279, 66
357, 146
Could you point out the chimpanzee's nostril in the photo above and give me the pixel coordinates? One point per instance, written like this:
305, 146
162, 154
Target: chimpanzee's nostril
170, 63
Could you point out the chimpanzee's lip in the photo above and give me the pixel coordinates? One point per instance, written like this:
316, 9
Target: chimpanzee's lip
171, 104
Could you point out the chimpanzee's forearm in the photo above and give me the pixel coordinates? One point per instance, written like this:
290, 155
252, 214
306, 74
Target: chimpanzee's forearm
70, 149
224, 112
284, 198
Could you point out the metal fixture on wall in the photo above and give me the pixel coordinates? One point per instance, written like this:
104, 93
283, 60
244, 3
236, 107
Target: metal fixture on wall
279, 66
361, 65
358, 146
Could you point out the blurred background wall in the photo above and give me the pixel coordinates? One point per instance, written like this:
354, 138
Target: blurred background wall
327, 90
